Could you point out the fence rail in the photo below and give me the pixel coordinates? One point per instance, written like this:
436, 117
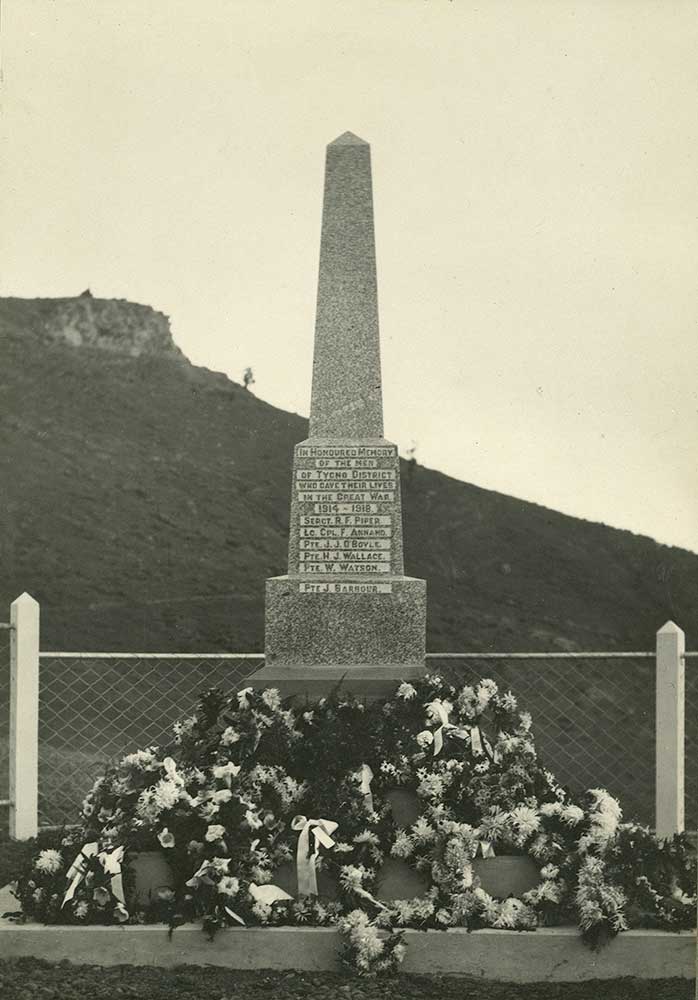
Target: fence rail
151, 656
71, 713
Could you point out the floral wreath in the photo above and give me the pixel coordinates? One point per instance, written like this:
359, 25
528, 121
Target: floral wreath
273, 813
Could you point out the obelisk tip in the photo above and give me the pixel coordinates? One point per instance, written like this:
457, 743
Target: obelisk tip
348, 139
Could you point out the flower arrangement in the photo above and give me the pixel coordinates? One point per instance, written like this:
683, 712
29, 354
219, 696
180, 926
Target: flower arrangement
270, 814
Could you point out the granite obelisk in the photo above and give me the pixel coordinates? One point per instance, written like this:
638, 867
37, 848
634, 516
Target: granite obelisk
345, 608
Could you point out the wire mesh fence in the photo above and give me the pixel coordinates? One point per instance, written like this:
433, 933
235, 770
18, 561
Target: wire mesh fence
594, 721
95, 708
691, 752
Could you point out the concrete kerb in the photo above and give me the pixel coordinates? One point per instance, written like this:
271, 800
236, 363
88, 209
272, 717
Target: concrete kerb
554, 954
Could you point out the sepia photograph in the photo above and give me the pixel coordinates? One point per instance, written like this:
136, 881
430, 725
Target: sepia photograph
348, 499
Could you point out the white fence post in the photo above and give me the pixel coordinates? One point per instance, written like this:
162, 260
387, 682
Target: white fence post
669, 714
24, 718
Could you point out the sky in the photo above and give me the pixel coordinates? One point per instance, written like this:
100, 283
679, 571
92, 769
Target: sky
535, 171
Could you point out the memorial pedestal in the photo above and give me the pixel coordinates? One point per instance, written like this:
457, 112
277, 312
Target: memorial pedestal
367, 636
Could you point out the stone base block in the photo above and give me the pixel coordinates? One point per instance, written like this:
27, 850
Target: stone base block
377, 622
313, 682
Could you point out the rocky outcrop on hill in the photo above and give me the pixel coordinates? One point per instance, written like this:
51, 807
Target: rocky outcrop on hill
110, 325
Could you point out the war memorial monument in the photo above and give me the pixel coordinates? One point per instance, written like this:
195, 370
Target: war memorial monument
345, 609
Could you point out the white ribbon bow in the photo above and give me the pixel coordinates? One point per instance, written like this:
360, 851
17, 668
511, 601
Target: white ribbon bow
366, 779
479, 744
305, 860
267, 893
111, 862
435, 710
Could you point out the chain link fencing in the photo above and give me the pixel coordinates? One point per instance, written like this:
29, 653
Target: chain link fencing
593, 720
95, 708
691, 751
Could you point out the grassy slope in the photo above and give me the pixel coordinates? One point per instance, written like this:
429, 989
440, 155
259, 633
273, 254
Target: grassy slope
135, 488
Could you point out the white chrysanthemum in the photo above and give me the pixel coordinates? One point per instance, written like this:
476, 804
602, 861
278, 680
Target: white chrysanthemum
549, 872
147, 808
229, 736
431, 786
406, 691
513, 913
144, 760
437, 810
425, 738
262, 876
571, 815
494, 824
367, 837
291, 790
49, 861
486, 690
551, 809
166, 794
549, 892
352, 876
422, 832
539, 846
525, 721
272, 699
343, 848
508, 702
605, 802
402, 846
604, 818
467, 875
262, 911
590, 913
525, 820
466, 701
490, 909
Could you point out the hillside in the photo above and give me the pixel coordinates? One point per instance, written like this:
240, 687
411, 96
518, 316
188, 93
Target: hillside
145, 501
